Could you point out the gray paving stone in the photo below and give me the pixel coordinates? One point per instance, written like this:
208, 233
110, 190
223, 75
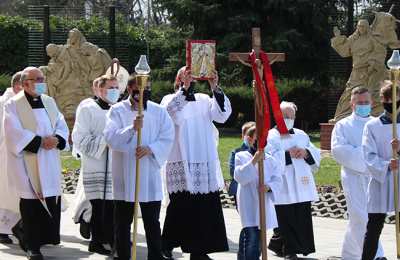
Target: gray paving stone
328, 235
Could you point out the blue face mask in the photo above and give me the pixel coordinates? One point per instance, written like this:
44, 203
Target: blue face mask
363, 110
112, 95
40, 88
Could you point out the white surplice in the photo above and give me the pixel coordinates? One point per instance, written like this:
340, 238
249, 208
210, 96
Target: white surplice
82, 207
377, 152
89, 140
346, 150
75, 151
49, 162
246, 174
193, 164
298, 180
157, 134
9, 201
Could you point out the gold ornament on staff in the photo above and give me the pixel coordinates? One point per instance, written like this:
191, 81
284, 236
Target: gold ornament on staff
394, 65
142, 70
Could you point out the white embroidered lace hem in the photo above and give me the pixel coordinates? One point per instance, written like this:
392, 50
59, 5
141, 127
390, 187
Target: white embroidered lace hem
198, 178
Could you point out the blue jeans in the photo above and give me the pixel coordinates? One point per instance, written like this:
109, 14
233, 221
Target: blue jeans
249, 244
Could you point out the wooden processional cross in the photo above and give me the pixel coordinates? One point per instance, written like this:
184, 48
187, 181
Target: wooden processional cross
244, 58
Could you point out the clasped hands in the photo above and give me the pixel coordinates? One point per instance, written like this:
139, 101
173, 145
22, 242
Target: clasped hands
298, 153
49, 142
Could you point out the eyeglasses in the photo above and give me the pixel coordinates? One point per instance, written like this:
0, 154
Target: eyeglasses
38, 80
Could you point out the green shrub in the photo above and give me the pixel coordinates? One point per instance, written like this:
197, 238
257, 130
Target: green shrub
14, 42
5, 80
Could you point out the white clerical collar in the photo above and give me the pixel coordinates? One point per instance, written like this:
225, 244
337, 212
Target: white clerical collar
359, 118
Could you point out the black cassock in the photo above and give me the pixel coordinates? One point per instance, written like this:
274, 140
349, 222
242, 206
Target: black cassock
195, 222
39, 227
295, 234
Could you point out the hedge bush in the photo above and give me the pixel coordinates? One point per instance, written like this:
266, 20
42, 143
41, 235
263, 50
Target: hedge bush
14, 42
5, 80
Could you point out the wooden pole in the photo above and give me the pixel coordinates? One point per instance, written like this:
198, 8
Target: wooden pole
263, 227
395, 73
261, 195
141, 82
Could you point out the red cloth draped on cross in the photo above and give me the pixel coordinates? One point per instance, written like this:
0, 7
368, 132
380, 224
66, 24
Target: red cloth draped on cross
266, 91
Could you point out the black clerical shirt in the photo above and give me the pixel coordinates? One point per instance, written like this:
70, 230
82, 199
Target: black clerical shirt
102, 104
34, 145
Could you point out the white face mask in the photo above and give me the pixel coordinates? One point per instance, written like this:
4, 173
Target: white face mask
289, 123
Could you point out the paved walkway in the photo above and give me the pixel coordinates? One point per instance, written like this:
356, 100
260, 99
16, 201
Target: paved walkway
328, 236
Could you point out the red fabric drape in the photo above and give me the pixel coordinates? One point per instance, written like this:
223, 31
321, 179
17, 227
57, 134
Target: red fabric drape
273, 94
263, 116
265, 92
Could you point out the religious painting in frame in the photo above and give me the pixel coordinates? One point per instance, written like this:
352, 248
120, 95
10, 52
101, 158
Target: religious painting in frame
200, 58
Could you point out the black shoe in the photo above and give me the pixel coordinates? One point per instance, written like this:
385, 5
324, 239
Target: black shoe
199, 257
291, 257
19, 235
166, 257
84, 229
4, 239
278, 251
34, 255
96, 247
167, 254
381, 258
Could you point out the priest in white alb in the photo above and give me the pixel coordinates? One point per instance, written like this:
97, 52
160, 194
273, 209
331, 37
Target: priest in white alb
89, 140
346, 150
9, 208
36, 132
157, 138
293, 203
194, 219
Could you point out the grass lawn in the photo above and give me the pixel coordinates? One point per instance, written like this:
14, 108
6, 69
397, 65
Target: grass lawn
328, 174
69, 162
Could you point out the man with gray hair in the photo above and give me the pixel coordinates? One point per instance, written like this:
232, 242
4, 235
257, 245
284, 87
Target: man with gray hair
36, 131
300, 159
9, 209
347, 151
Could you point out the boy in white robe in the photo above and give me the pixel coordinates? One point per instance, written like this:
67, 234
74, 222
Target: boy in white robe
194, 219
246, 174
346, 150
293, 204
36, 131
377, 145
89, 140
9, 208
232, 190
157, 138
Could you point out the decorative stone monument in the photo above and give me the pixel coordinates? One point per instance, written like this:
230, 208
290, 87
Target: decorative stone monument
368, 48
71, 70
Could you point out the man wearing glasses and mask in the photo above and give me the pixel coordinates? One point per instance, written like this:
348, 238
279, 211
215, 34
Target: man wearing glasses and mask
36, 131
